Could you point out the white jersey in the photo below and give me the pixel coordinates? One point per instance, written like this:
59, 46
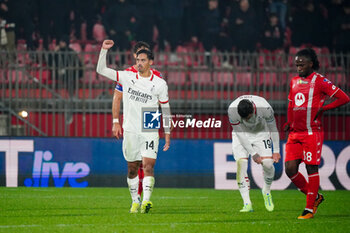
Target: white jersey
263, 113
140, 94
263, 120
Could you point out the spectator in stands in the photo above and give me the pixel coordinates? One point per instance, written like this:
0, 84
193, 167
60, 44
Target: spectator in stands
147, 12
67, 70
212, 33
20, 12
243, 27
272, 38
53, 19
171, 13
342, 30
118, 20
88, 14
67, 65
309, 26
7, 33
192, 17
279, 7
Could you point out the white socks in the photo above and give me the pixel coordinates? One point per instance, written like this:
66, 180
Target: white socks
243, 180
147, 185
269, 174
133, 188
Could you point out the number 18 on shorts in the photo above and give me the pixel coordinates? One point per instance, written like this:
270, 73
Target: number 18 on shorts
306, 147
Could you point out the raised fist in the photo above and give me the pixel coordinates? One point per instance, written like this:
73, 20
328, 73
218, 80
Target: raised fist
107, 44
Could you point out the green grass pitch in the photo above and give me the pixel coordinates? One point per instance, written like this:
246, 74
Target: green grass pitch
175, 210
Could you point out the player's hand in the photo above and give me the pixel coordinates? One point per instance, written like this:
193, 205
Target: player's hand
257, 158
167, 142
117, 130
107, 44
276, 157
286, 127
319, 112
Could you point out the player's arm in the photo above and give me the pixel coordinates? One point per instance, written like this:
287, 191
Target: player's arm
275, 137
286, 126
167, 123
117, 98
341, 98
102, 68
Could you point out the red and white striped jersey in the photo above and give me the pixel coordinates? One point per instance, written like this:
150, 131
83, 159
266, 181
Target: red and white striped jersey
307, 96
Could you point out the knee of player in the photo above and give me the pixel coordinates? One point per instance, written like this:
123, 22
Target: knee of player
132, 172
311, 169
147, 168
290, 170
267, 163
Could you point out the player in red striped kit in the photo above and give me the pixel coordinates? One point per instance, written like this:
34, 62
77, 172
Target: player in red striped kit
117, 98
308, 92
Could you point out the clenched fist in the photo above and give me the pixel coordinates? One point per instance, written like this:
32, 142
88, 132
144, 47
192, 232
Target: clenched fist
107, 44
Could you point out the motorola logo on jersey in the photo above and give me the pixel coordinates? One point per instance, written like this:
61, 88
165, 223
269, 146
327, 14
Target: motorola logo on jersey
299, 99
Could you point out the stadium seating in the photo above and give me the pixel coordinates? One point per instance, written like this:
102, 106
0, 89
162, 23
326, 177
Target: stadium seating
91, 53
201, 77
75, 46
177, 78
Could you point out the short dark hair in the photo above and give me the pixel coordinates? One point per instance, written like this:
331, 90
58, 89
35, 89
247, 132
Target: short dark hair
139, 45
147, 52
245, 107
311, 55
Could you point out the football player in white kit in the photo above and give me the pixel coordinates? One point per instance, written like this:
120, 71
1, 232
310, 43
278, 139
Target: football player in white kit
142, 92
254, 133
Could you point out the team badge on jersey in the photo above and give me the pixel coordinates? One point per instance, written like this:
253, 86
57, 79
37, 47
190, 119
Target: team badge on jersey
299, 99
151, 119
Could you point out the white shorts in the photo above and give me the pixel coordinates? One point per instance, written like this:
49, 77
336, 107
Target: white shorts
261, 143
136, 146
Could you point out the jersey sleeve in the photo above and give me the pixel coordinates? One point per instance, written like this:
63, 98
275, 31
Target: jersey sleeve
119, 87
268, 113
121, 76
328, 87
232, 116
102, 68
290, 95
163, 97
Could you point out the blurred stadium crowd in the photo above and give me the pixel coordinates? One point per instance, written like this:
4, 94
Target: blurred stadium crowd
227, 25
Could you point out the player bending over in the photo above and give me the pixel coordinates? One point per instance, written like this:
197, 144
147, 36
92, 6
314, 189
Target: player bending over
254, 133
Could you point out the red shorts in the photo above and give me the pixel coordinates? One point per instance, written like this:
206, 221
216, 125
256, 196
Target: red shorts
306, 147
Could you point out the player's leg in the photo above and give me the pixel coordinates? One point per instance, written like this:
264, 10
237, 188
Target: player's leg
262, 143
269, 174
141, 175
244, 184
133, 182
148, 184
132, 156
294, 155
241, 157
149, 152
312, 158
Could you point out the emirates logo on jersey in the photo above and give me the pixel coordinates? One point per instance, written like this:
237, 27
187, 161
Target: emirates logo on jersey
299, 99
